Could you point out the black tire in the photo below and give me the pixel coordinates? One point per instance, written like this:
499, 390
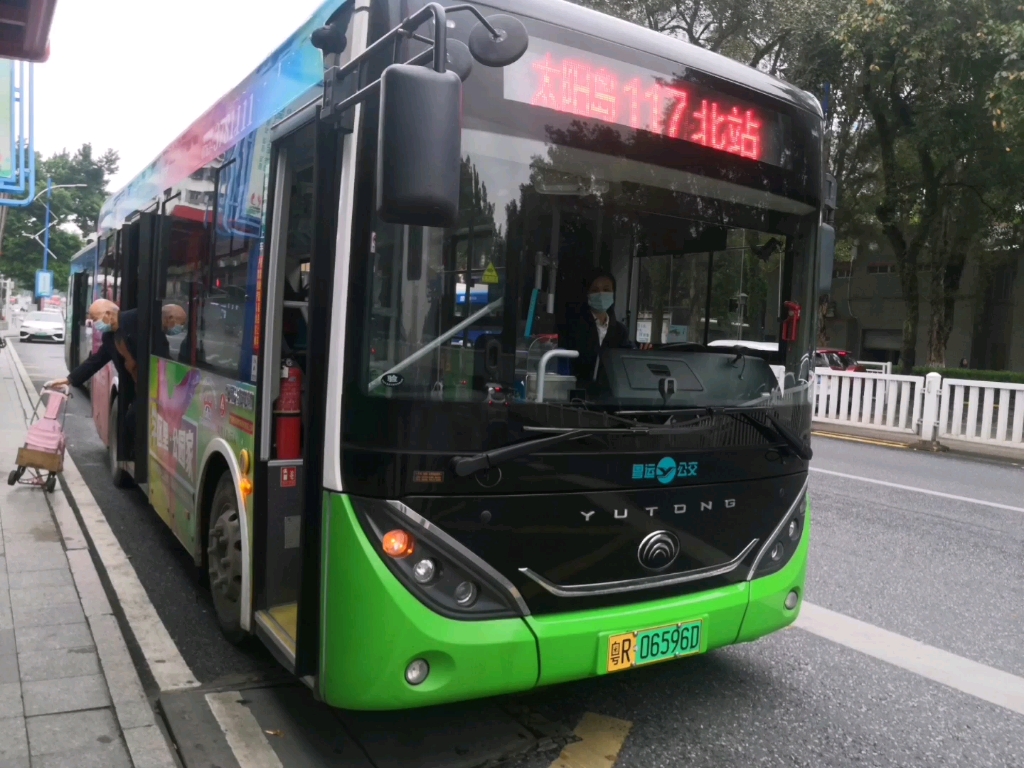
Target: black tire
13, 477
224, 559
51, 483
121, 478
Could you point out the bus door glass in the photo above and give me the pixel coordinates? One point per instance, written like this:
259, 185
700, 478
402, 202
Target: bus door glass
283, 391
81, 297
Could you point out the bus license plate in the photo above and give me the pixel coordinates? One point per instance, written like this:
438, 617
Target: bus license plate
646, 646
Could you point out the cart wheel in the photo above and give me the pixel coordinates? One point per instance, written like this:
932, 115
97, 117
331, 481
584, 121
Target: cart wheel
51, 483
13, 477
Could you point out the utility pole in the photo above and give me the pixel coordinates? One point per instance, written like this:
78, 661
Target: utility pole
46, 234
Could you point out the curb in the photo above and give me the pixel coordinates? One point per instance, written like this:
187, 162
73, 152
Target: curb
949, 446
147, 742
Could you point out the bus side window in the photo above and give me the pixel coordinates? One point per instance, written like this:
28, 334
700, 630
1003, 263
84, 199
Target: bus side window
184, 244
230, 266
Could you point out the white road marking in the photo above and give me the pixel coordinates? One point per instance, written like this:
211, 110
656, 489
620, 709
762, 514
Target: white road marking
244, 735
970, 677
165, 661
601, 739
926, 491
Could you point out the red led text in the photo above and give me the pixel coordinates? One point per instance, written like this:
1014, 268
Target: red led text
578, 88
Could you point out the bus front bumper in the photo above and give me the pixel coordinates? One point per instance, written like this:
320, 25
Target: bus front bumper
372, 628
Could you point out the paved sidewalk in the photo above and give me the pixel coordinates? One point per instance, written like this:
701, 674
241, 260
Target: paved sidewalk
69, 692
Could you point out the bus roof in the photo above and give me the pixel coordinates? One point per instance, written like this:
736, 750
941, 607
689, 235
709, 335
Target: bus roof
285, 76
87, 253
616, 30
296, 67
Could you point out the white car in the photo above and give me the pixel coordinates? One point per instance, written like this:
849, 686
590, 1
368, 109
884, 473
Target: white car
42, 326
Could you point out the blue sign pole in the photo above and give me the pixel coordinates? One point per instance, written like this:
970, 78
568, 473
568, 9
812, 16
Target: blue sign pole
46, 235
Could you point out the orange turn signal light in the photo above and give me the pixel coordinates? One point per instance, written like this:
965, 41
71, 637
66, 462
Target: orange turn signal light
398, 544
245, 486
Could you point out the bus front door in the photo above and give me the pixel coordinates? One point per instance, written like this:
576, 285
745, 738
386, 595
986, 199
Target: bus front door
283, 403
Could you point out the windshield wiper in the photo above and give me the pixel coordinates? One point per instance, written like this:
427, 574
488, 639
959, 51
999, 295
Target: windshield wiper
463, 466
777, 432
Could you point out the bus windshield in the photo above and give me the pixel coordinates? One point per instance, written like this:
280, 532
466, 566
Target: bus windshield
647, 254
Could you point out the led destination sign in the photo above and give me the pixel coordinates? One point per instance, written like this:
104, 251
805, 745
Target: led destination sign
595, 87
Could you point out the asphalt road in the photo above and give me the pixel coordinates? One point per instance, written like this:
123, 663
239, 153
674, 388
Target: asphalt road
946, 572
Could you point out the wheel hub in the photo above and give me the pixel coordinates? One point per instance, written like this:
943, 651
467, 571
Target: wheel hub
225, 556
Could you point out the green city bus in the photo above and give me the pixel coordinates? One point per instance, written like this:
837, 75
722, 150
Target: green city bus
382, 431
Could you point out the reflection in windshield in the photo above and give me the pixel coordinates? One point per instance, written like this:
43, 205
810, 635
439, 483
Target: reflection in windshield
467, 314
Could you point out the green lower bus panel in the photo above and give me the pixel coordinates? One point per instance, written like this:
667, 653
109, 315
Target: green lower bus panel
373, 627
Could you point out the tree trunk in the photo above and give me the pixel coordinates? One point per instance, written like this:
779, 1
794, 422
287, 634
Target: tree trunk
890, 113
960, 226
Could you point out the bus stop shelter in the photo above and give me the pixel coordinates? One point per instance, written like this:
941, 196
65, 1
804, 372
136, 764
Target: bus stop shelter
25, 29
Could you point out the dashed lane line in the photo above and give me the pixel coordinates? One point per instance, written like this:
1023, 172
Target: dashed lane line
970, 677
600, 740
926, 491
243, 733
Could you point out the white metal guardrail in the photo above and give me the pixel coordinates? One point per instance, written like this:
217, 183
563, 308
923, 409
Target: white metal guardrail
982, 411
890, 403
950, 411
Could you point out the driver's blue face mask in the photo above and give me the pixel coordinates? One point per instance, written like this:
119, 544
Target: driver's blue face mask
600, 302
101, 326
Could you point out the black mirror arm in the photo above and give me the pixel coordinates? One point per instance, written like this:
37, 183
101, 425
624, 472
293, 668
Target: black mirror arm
479, 17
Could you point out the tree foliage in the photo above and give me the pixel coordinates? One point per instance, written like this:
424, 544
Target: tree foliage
73, 214
925, 120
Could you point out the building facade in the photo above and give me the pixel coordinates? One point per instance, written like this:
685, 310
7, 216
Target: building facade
865, 312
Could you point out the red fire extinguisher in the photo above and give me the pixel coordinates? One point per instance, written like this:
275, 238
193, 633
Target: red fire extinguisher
791, 323
288, 412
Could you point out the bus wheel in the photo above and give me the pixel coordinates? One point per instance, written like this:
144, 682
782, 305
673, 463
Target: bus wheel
224, 553
117, 474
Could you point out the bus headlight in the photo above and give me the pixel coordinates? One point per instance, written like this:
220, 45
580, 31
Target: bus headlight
439, 571
782, 545
424, 571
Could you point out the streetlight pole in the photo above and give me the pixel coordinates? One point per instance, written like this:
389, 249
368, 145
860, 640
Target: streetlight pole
46, 234
46, 230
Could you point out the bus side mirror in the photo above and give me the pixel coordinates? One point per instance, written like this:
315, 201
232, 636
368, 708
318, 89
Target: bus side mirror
826, 257
419, 147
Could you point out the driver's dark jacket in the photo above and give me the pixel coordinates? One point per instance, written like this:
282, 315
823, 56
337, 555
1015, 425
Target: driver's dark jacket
581, 335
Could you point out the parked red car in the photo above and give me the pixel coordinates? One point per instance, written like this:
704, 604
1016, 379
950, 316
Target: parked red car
840, 360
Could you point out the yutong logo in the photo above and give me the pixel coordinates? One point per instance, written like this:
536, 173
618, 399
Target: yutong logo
658, 550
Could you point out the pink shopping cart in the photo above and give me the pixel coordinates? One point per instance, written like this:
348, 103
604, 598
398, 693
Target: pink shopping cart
43, 452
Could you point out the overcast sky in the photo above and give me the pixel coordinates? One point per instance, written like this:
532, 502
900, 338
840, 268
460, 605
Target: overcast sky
131, 75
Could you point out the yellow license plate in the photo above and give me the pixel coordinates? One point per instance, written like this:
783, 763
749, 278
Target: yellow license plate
646, 646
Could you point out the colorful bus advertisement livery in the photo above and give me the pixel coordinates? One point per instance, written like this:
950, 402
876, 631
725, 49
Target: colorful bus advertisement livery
383, 428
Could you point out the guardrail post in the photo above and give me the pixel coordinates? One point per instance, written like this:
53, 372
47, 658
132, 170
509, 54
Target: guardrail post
930, 411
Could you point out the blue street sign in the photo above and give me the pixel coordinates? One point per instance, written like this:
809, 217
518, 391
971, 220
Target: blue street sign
44, 283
